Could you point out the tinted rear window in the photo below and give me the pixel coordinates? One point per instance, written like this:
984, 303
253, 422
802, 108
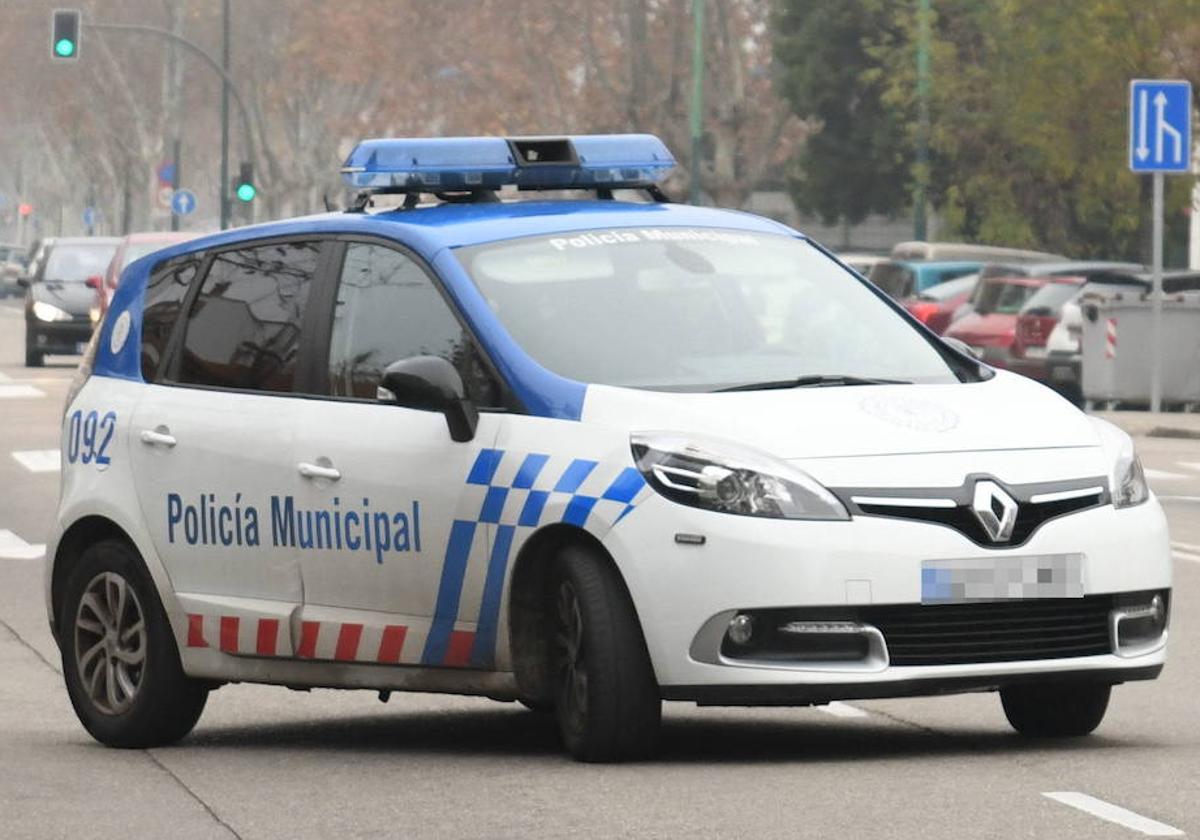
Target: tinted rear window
997, 296
244, 329
893, 278
1051, 297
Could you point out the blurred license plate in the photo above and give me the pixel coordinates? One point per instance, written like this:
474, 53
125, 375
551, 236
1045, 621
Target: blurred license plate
1036, 352
1062, 373
1002, 578
80, 347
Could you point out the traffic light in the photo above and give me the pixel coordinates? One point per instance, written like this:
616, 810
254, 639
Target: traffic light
244, 187
25, 208
64, 34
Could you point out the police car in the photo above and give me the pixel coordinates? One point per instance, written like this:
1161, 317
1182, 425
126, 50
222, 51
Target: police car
588, 454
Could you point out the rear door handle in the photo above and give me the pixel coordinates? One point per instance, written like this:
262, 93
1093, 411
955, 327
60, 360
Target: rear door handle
154, 437
318, 471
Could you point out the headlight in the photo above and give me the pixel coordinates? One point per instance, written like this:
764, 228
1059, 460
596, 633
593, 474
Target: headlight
94, 315
1129, 480
729, 478
49, 312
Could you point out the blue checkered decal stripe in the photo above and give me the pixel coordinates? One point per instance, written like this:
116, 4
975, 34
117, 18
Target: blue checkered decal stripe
515, 501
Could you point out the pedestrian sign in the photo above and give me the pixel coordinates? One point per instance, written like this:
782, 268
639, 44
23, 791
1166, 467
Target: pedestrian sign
1160, 125
183, 202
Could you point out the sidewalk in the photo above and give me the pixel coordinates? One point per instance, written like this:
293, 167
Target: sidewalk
1149, 424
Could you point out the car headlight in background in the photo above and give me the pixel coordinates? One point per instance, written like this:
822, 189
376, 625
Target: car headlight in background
730, 478
1129, 480
49, 312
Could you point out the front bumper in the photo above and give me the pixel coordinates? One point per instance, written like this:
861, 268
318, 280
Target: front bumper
756, 564
66, 338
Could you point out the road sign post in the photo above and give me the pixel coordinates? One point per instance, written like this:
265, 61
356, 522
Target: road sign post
1160, 141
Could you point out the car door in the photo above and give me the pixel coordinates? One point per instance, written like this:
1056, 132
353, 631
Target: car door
213, 440
390, 520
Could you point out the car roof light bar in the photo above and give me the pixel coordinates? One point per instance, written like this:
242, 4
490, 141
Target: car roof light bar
475, 164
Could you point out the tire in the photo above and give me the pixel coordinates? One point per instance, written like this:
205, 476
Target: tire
151, 702
1056, 710
606, 700
33, 358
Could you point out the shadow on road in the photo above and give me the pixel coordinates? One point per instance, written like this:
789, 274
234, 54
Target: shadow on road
686, 739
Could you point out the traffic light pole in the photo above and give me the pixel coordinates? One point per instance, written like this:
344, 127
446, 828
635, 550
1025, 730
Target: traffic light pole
227, 88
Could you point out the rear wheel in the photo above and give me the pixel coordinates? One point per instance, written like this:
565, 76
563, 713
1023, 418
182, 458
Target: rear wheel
119, 657
606, 699
1056, 710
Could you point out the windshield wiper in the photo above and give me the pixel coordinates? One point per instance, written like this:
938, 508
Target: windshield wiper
815, 381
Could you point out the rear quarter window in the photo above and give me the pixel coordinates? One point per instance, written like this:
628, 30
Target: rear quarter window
165, 292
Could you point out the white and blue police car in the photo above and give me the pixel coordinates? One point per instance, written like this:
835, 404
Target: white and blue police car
585, 453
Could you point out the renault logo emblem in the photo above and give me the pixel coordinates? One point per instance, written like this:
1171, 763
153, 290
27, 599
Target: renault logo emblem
995, 510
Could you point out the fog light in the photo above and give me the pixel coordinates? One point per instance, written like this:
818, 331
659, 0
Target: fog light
741, 629
1140, 628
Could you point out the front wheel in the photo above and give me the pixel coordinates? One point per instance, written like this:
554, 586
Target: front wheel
606, 698
33, 357
119, 657
1056, 710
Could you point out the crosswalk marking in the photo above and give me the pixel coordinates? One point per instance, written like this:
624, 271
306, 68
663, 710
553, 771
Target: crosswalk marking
39, 460
842, 710
1190, 465
1114, 813
17, 391
13, 547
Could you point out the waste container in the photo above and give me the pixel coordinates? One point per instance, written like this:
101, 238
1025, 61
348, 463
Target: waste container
1118, 341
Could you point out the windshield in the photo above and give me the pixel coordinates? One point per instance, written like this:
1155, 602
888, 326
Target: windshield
76, 263
694, 309
137, 250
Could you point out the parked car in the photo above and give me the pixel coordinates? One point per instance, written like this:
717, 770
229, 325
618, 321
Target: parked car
991, 325
937, 307
862, 263
133, 247
901, 278
58, 299
12, 266
1058, 268
943, 251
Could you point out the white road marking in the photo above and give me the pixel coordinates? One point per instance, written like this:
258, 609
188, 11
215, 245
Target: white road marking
13, 547
4, 377
1188, 547
39, 460
1163, 475
1179, 498
1114, 814
15, 391
1186, 555
842, 710
1191, 465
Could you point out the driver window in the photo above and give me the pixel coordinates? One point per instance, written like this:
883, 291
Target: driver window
389, 309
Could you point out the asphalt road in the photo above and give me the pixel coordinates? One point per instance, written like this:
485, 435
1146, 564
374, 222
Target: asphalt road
267, 762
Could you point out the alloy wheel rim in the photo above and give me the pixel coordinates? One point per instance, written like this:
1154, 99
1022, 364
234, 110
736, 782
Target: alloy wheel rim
572, 666
110, 643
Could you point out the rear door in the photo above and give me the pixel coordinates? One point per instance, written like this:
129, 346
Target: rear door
212, 439
394, 520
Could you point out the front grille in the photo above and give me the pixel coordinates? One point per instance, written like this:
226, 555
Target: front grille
1001, 631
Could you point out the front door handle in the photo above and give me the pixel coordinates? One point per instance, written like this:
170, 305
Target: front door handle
158, 437
319, 471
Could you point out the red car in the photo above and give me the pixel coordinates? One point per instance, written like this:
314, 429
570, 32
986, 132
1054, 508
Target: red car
991, 326
134, 246
936, 306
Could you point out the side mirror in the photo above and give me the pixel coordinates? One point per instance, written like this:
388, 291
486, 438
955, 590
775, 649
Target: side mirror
962, 347
431, 383
94, 282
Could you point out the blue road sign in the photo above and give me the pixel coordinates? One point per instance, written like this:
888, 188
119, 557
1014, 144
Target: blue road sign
183, 202
90, 217
1160, 125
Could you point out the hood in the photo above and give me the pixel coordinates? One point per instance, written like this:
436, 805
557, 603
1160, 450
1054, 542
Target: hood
995, 329
1007, 412
75, 298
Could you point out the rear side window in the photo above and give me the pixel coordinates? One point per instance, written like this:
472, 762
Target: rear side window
894, 279
165, 292
389, 309
243, 330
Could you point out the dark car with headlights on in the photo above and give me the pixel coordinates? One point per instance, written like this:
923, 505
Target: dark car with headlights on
59, 303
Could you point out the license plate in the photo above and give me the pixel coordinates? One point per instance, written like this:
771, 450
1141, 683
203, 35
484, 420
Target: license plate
1062, 373
80, 347
1001, 578
1035, 352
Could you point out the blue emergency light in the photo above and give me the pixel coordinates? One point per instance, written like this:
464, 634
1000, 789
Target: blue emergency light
455, 164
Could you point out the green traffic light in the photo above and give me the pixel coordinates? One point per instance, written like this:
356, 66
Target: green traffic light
246, 192
65, 47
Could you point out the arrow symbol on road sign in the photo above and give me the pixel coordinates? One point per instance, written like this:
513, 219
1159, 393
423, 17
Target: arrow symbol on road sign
1162, 127
13, 547
1143, 109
